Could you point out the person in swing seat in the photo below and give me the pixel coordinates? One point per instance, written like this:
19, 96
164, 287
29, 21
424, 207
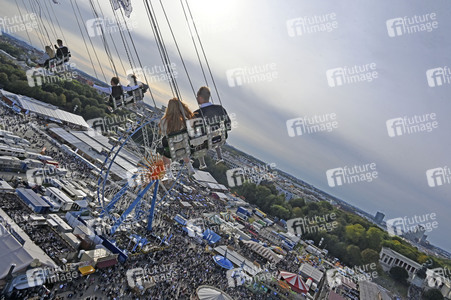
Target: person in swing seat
172, 122
213, 115
116, 90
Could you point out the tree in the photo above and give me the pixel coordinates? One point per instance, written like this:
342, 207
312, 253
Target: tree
91, 112
3, 77
61, 100
270, 186
353, 256
433, 294
338, 250
52, 98
279, 211
422, 258
297, 202
374, 236
355, 233
399, 274
313, 206
326, 205
369, 256
297, 212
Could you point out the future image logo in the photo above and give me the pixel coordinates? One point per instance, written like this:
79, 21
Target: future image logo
235, 277
39, 276
312, 24
409, 125
11, 25
401, 226
334, 278
40, 176
338, 276
351, 174
39, 76
354, 74
147, 277
312, 124
395, 227
256, 174
155, 73
111, 124
306, 225
411, 25
438, 176
101, 26
247, 75
235, 177
36, 277
438, 76
35, 76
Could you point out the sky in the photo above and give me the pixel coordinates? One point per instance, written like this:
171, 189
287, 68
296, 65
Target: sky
372, 72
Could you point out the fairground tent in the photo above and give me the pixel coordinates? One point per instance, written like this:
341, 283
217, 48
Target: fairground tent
223, 262
295, 282
206, 292
211, 236
263, 251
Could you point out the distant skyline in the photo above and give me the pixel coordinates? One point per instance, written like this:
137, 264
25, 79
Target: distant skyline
378, 72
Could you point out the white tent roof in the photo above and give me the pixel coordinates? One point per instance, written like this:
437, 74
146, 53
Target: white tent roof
17, 248
203, 176
4, 186
45, 109
221, 195
308, 270
206, 292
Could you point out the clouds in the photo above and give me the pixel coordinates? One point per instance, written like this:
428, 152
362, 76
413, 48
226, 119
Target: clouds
237, 34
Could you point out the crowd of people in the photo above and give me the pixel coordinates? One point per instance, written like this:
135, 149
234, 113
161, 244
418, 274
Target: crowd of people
43, 236
190, 261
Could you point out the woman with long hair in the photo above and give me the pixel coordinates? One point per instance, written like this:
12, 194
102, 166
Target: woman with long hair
45, 59
172, 122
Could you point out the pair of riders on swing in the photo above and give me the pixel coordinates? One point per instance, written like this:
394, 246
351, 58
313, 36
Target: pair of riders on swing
173, 121
116, 90
59, 56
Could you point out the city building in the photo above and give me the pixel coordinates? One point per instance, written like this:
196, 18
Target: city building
10, 164
61, 225
33, 200
60, 198
206, 180
390, 258
308, 271
287, 194
379, 217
